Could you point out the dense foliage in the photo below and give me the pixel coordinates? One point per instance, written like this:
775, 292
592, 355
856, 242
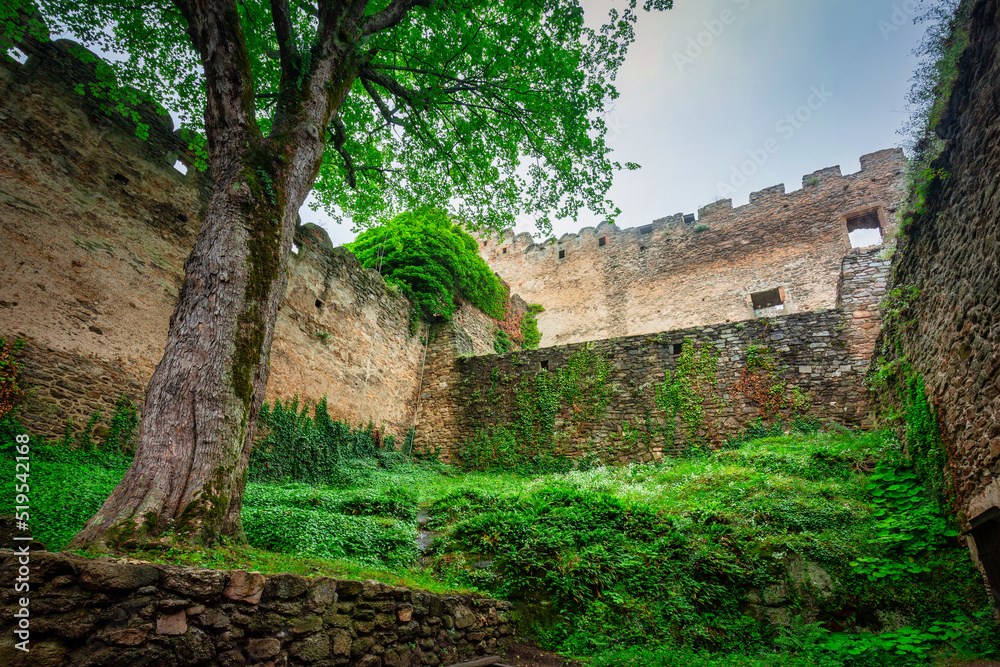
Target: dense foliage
299, 447
529, 327
432, 260
646, 565
446, 103
652, 563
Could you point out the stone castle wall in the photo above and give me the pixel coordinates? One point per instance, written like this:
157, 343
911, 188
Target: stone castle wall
95, 225
950, 333
100, 612
678, 272
823, 354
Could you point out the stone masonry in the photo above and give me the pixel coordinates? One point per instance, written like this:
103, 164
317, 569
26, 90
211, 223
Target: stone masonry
102, 612
823, 354
95, 225
679, 272
950, 332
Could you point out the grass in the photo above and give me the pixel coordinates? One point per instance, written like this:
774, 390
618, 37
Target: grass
638, 564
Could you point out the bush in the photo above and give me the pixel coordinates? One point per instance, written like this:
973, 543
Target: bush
529, 327
431, 260
316, 449
11, 389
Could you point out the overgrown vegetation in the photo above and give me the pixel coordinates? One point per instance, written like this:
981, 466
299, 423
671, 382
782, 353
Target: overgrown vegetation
432, 260
525, 436
683, 393
313, 448
12, 391
651, 564
529, 327
658, 564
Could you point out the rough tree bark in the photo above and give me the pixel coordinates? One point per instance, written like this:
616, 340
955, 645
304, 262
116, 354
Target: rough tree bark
202, 403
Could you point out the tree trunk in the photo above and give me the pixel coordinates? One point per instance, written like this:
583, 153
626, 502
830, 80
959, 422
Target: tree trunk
203, 400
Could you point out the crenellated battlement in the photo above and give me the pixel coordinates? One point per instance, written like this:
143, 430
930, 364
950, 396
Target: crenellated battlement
686, 270
878, 163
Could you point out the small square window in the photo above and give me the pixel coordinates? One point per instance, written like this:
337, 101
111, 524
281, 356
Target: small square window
689, 218
676, 348
603, 241
646, 229
484, 243
505, 251
545, 365
768, 304
562, 254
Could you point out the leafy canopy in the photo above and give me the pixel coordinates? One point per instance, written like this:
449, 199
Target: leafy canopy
495, 107
431, 260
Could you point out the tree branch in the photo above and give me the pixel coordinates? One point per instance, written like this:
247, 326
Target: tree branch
339, 139
388, 114
391, 15
282, 18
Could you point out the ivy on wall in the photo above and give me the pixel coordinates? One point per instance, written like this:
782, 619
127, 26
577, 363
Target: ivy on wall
525, 432
682, 396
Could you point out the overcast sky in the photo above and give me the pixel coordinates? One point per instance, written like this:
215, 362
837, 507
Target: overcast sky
708, 83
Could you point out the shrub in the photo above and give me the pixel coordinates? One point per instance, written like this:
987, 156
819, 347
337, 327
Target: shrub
529, 327
431, 260
316, 449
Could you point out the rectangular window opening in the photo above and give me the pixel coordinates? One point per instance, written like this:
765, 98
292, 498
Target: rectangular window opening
865, 229
562, 254
181, 167
767, 304
646, 229
689, 218
676, 348
603, 241
545, 365
505, 251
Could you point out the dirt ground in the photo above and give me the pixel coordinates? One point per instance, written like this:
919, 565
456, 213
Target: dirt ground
526, 654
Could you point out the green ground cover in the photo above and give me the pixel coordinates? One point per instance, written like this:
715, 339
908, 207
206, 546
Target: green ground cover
631, 565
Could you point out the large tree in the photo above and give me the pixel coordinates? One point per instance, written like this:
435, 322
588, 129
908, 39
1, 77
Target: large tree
493, 107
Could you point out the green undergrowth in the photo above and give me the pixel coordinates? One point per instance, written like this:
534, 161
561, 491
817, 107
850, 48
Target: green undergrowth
653, 564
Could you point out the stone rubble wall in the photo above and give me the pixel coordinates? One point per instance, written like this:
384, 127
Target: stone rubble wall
950, 334
688, 273
101, 612
824, 354
95, 225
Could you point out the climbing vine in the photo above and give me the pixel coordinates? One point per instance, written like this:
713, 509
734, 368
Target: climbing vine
759, 381
529, 327
526, 434
684, 392
923, 439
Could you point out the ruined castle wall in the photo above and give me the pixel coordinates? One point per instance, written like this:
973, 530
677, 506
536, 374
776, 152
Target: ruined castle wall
676, 276
103, 612
95, 225
462, 395
821, 355
950, 334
